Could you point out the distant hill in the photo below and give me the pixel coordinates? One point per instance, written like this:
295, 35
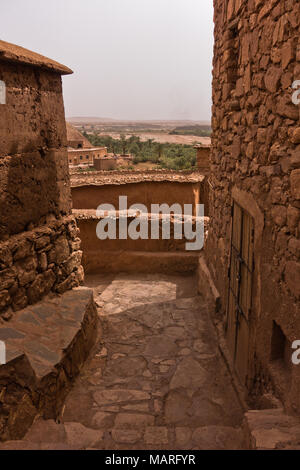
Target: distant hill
88, 120
156, 122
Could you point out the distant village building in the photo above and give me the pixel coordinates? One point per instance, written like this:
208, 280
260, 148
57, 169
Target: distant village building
107, 163
82, 153
111, 162
80, 150
84, 156
125, 160
76, 139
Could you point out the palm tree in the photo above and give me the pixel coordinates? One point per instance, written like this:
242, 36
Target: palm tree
150, 141
123, 143
160, 149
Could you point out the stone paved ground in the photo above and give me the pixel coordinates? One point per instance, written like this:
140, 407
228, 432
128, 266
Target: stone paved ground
155, 379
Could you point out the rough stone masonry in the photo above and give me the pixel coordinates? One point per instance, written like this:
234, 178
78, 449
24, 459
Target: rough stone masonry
255, 161
39, 244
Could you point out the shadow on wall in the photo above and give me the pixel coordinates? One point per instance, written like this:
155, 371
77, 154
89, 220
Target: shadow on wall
31, 189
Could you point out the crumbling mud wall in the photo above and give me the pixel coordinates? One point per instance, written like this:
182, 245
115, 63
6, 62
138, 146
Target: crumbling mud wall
255, 161
39, 248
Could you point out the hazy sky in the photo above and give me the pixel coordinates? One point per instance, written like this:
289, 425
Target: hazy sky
132, 59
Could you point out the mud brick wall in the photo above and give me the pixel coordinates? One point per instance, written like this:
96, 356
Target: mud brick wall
203, 159
255, 160
39, 245
34, 178
39, 261
147, 193
106, 164
118, 255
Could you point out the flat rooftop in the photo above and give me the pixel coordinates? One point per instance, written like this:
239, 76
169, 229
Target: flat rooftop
84, 150
102, 178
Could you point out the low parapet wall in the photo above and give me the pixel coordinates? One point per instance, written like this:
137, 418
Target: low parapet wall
91, 189
147, 188
142, 255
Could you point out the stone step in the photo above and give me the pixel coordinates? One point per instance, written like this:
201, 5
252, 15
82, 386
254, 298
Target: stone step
46, 345
271, 429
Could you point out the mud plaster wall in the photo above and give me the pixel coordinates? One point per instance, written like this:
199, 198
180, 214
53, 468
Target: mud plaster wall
39, 245
203, 154
135, 255
256, 150
105, 163
112, 255
34, 178
90, 197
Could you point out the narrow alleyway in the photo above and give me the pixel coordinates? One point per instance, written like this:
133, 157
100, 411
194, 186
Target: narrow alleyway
155, 380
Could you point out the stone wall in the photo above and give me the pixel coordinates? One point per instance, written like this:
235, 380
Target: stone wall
255, 160
36, 262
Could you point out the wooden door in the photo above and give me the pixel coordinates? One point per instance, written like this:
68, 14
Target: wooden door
240, 289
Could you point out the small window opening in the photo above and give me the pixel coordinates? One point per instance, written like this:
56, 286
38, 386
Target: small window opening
232, 68
280, 361
2, 92
278, 343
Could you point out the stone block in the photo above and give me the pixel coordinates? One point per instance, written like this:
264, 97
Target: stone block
62, 249
295, 184
41, 286
294, 247
279, 214
38, 366
293, 217
292, 276
7, 278
296, 136
5, 299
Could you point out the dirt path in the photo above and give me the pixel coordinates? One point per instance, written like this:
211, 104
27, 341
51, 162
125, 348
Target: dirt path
155, 379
